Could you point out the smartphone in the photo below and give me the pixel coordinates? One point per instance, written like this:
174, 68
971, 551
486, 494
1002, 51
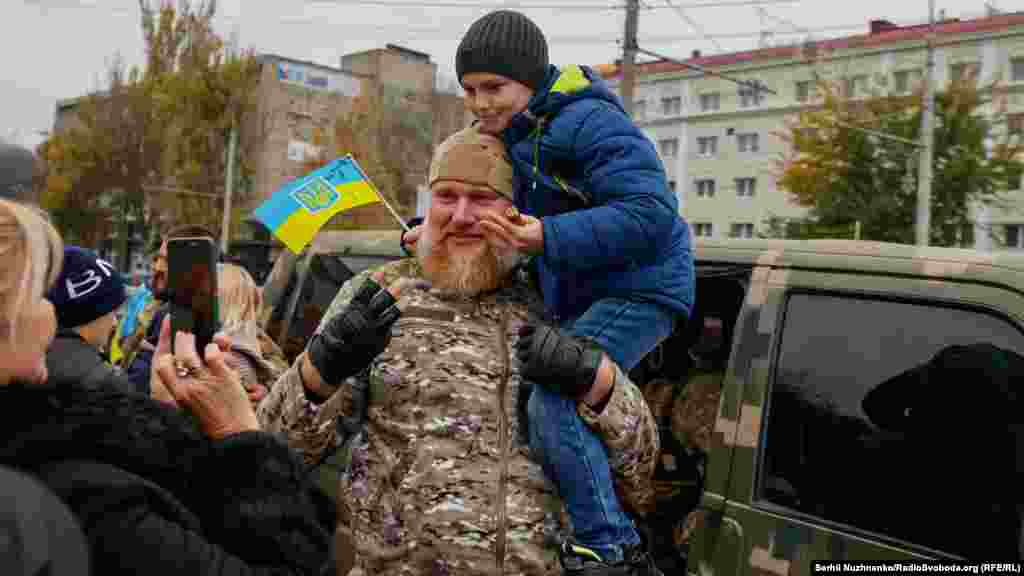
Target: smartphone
192, 283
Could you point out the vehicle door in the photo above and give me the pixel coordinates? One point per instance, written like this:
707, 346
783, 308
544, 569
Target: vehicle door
812, 477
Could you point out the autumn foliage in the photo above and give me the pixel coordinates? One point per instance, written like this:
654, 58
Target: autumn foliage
154, 142
845, 176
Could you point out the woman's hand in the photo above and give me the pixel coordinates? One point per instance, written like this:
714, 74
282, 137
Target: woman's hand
514, 230
157, 390
208, 389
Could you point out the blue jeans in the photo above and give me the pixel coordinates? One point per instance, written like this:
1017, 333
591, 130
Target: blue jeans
571, 454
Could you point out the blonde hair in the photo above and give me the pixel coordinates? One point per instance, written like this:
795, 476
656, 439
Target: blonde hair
240, 298
31, 255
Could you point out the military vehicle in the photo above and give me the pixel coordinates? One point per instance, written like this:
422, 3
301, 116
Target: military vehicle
798, 470
300, 287
770, 461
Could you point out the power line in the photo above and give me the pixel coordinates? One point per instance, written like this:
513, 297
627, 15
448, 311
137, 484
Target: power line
527, 6
435, 32
755, 84
424, 32
693, 24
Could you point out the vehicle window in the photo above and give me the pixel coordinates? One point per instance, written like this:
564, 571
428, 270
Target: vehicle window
934, 485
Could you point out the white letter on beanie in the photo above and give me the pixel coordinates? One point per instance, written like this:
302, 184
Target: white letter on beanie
89, 281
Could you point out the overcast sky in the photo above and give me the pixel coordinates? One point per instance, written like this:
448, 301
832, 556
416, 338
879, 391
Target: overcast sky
57, 49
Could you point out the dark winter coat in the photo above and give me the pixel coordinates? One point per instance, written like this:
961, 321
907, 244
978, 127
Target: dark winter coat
155, 496
71, 361
40, 535
631, 241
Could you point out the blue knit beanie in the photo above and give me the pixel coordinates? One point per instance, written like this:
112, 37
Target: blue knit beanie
87, 288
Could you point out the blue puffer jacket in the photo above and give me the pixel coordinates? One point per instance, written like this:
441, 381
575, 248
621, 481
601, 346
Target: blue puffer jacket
631, 241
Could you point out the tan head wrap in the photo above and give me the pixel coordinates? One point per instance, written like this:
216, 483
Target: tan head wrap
474, 158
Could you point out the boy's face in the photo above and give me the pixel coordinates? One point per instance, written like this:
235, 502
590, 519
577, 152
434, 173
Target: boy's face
494, 99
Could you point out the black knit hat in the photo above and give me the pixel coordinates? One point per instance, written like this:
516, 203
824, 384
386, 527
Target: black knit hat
506, 43
87, 288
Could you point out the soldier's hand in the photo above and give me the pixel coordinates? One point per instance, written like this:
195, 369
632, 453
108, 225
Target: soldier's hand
557, 360
351, 340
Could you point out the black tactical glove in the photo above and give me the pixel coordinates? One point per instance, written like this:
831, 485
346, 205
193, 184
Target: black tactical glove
558, 361
352, 339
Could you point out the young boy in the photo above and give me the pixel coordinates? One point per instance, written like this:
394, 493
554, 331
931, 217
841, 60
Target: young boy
85, 299
612, 255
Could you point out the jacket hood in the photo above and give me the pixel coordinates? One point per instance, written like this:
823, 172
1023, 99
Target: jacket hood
565, 85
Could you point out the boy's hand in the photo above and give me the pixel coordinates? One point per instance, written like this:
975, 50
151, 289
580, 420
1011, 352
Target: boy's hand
514, 230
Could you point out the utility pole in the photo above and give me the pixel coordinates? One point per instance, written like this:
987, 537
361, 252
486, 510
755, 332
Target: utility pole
924, 172
629, 46
229, 184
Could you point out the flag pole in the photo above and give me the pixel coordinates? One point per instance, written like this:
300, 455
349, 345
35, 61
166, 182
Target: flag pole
377, 192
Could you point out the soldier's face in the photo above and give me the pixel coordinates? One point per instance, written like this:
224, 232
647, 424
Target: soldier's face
453, 249
456, 210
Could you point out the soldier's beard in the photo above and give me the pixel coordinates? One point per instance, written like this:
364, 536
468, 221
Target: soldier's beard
467, 272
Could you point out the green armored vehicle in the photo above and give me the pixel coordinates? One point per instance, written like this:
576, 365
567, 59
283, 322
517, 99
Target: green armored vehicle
799, 470
770, 460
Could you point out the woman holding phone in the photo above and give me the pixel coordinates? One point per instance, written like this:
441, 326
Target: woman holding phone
155, 490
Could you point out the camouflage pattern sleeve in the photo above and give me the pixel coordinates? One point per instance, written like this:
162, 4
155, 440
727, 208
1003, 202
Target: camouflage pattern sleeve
392, 271
271, 352
630, 433
307, 427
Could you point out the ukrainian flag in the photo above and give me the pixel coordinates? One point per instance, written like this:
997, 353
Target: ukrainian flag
297, 211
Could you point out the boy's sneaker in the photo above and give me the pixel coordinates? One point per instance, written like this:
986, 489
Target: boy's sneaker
579, 560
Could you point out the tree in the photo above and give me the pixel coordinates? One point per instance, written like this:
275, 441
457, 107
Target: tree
155, 142
99, 167
208, 91
845, 176
389, 138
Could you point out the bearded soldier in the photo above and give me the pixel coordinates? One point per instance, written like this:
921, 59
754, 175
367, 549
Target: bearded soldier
438, 357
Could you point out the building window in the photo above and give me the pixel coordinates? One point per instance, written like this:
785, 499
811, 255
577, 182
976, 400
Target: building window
1013, 237
741, 230
1017, 69
803, 91
710, 101
905, 81
672, 186
749, 97
829, 425
671, 106
640, 110
745, 187
748, 142
703, 229
705, 187
669, 147
1015, 123
964, 71
707, 146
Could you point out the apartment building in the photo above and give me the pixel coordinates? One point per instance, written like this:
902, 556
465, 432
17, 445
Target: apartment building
718, 141
295, 99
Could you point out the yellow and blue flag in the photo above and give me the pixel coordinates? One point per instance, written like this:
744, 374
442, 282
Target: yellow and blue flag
297, 211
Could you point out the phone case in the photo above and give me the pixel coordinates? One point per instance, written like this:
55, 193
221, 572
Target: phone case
192, 280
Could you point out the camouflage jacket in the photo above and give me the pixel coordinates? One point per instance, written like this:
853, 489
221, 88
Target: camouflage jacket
419, 493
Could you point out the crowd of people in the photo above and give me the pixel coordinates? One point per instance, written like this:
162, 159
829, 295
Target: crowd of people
476, 388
